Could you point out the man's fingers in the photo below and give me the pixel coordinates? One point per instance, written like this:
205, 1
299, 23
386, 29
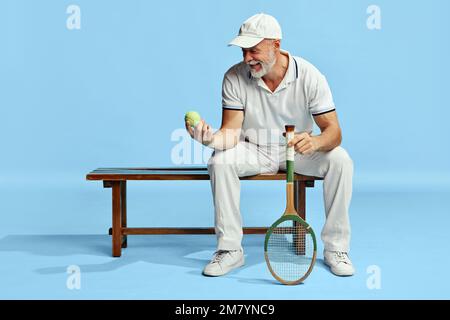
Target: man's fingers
299, 145
205, 128
205, 131
297, 139
297, 133
202, 132
199, 125
208, 134
293, 141
198, 131
189, 129
304, 147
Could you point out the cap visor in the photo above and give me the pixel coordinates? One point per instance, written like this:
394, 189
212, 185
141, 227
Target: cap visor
245, 41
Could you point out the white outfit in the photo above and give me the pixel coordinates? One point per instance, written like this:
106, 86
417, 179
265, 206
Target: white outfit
303, 93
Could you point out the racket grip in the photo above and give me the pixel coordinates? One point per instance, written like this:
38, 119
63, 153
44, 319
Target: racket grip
290, 152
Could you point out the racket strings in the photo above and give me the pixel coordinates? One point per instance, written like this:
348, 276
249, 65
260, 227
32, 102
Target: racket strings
290, 250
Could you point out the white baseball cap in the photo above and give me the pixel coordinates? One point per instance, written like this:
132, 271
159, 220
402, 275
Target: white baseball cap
255, 29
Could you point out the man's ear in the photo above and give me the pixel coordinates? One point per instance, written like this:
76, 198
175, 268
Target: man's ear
277, 44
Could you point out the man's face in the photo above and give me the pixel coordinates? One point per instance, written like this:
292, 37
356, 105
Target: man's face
260, 58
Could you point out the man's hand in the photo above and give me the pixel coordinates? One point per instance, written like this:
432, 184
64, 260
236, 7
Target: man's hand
202, 132
304, 143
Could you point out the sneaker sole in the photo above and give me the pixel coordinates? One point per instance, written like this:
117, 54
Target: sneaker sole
238, 264
337, 273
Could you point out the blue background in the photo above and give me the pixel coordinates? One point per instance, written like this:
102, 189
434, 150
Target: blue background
112, 93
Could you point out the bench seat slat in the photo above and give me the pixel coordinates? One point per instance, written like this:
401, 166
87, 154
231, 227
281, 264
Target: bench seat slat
177, 173
152, 172
194, 168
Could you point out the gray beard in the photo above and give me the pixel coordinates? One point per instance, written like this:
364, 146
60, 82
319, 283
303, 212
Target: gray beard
265, 67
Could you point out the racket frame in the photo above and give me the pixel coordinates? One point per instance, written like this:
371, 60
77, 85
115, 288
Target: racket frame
290, 213
298, 219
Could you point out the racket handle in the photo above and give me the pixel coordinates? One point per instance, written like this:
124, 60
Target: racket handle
290, 152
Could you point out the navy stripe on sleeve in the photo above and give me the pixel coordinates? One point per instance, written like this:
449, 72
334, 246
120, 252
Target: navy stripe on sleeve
233, 108
319, 114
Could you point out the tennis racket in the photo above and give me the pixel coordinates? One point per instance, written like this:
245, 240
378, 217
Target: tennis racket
290, 244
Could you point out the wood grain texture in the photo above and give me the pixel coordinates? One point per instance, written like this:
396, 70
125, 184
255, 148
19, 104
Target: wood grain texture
116, 220
150, 231
176, 173
123, 208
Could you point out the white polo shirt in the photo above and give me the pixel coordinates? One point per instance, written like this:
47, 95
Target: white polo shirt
302, 94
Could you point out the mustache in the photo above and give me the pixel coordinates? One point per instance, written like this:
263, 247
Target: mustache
253, 62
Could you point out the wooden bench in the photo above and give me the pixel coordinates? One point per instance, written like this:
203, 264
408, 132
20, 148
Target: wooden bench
116, 178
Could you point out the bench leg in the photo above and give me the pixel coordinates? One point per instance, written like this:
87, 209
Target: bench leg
299, 203
116, 219
123, 207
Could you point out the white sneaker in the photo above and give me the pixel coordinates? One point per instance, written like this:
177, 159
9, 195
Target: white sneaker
339, 263
223, 262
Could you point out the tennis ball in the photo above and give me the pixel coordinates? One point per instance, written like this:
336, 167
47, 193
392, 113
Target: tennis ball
192, 117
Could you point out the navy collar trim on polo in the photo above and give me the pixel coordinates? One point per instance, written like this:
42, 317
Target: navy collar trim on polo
292, 73
296, 68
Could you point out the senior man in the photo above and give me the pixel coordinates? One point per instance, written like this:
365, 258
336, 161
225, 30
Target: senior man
260, 95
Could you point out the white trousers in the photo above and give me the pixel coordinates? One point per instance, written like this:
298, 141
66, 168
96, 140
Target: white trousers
246, 159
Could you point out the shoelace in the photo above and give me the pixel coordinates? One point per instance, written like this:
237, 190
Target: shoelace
219, 255
341, 257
